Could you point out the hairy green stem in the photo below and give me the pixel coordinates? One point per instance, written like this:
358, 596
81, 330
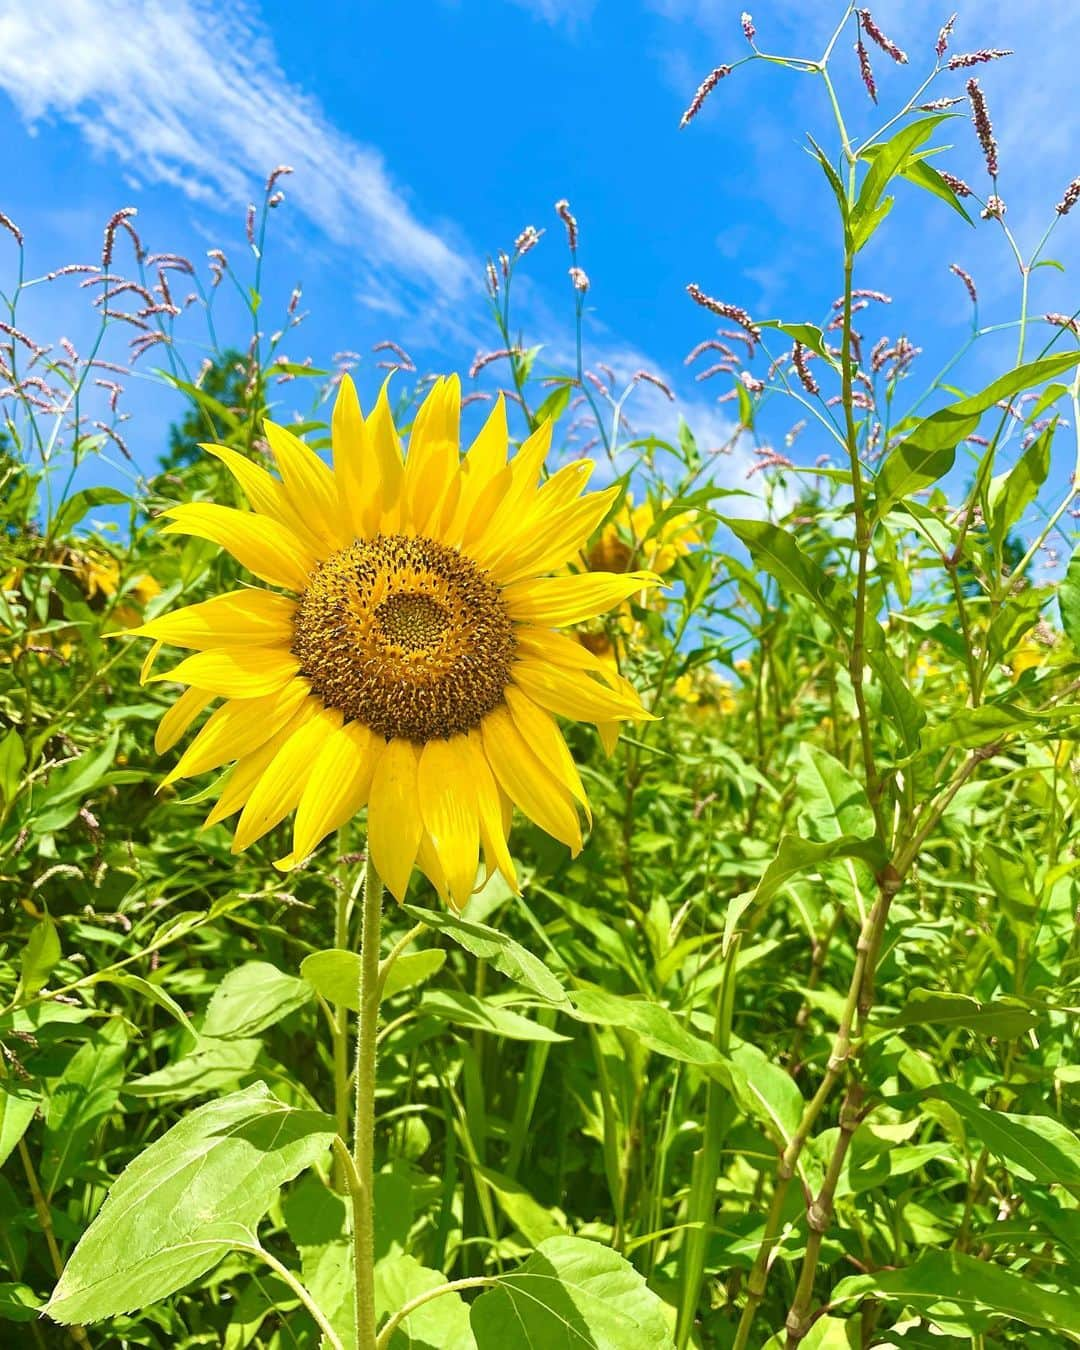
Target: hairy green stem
364, 1119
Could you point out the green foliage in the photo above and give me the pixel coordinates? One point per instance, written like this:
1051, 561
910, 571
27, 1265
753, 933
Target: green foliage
786, 1056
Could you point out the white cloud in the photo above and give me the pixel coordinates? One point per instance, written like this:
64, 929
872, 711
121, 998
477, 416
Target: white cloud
191, 95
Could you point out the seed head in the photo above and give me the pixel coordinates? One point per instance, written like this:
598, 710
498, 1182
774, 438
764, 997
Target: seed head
1069, 198
886, 44
980, 118
957, 184
1064, 321
802, 369
749, 31
705, 88
526, 240
734, 312
654, 380
579, 279
943, 37
957, 270
937, 104
562, 210
111, 226
866, 70
11, 228
979, 58
994, 209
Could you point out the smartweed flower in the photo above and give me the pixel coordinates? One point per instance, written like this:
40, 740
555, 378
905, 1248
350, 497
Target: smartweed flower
409, 655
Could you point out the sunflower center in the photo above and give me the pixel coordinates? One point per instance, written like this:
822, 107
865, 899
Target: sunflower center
406, 635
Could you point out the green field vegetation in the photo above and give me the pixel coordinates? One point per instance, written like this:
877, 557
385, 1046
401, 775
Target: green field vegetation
785, 1056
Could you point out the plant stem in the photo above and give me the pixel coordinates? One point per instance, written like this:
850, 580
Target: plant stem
364, 1120
451, 1287
41, 1207
341, 1035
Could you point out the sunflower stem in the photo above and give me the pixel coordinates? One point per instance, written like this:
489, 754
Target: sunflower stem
364, 1120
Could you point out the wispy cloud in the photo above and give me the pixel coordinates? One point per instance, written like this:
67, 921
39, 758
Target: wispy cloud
191, 95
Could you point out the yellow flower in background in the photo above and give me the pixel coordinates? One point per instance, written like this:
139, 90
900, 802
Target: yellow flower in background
633, 538
408, 658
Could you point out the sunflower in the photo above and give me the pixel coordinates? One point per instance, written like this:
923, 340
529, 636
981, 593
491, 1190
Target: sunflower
408, 658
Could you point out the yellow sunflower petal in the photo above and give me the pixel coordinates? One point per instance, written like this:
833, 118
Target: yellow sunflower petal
557, 602
246, 772
493, 820
526, 781
432, 461
430, 864
555, 538
176, 719
310, 485
447, 798
485, 537
235, 672
394, 824
264, 546
355, 466
337, 788
237, 618
237, 728
546, 645
279, 786
265, 494
485, 457
386, 449
576, 694
541, 732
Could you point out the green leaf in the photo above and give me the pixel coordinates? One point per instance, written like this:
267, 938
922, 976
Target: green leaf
924, 175
39, 957
18, 1303
777, 551
1036, 1148
154, 992
833, 801
1069, 601
12, 760
807, 334
554, 405
186, 1201
79, 1100
1002, 1017
412, 969
464, 1010
1013, 493
764, 1089
213, 1064
796, 855
250, 998
654, 1025
834, 182
79, 503
513, 960
440, 1324
827, 1333
571, 1292
534, 1221
17, 1107
927, 453
335, 974
961, 1290
890, 159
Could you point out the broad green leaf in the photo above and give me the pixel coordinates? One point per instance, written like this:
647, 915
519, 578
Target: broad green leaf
898, 703
440, 1324
513, 960
463, 1010
39, 957
17, 1107
924, 175
535, 1221
811, 337
1069, 601
927, 453
976, 726
186, 1201
1002, 1017
777, 551
1036, 1148
335, 974
18, 1303
411, 969
250, 998
827, 1333
964, 1291
796, 855
574, 1293
554, 405
833, 180
153, 992
764, 1089
79, 503
889, 160
1012, 493
654, 1025
12, 759
81, 776
833, 802
211, 1065
79, 1100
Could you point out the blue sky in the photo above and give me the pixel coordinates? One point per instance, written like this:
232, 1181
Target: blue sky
426, 135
